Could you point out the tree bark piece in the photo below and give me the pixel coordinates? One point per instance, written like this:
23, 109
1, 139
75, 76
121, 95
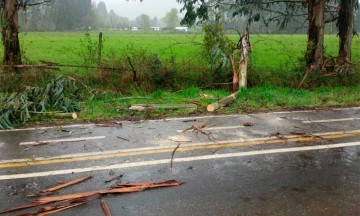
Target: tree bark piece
243, 63
223, 102
143, 107
105, 208
64, 185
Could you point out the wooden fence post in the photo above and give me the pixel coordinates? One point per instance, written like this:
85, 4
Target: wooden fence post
100, 46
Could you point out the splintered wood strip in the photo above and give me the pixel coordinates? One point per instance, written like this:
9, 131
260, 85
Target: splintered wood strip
64, 185
52, 209
105, 208
137, 187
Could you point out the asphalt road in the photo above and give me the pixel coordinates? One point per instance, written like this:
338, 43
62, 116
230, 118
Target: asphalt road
280, 163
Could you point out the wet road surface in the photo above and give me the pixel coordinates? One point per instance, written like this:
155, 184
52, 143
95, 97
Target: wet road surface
282, 163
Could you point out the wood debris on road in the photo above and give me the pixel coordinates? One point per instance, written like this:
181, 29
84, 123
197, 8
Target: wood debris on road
85, 196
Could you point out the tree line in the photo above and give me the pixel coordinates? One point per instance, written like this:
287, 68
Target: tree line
61, 15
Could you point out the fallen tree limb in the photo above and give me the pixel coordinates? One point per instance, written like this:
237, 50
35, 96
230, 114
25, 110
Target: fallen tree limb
143, 107
57, 114
64, 185
117, 189
223, 102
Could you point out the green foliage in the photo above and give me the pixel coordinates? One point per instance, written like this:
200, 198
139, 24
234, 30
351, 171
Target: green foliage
60, 94
172, 18
89, 50
217, 47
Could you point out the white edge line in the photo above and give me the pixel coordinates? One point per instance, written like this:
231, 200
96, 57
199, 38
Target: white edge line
329, 120
163, 147
61, 140
185, 159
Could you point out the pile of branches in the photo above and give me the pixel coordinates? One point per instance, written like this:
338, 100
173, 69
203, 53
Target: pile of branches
61, 94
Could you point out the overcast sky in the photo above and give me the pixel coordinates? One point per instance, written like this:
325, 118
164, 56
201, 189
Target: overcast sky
134, 8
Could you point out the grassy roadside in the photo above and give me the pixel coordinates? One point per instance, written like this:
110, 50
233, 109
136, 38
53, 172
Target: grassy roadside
264, 98
173, 63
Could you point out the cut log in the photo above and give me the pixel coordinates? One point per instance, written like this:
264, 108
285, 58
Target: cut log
143, 107
223, 102
57, 114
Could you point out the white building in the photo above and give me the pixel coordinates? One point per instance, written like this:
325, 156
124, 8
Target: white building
155, 28
134, 28
181, 28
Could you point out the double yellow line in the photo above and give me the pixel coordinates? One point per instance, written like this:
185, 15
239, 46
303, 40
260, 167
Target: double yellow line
44, 161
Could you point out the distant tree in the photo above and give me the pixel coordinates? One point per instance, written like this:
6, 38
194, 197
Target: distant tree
172, 18
144, 22
102, 12
68, 13
154, 21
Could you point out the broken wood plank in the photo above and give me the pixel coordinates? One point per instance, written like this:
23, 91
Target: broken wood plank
143, 107
118, 189
64, 185
105, 208
223, 102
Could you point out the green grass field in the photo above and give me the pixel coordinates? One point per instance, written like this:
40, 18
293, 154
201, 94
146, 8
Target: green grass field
270, 52
272, 57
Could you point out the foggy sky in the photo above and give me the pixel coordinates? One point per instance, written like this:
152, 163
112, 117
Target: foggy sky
134, 8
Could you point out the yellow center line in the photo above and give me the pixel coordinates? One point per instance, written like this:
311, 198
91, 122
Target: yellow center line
180, 149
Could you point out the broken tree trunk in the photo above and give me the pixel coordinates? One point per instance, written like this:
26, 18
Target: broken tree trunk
223, 102
235, 73
143, 107
245, 50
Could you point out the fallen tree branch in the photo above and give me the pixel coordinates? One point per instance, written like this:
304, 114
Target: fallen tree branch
143, 107
223, 102
172, 156
57, 114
